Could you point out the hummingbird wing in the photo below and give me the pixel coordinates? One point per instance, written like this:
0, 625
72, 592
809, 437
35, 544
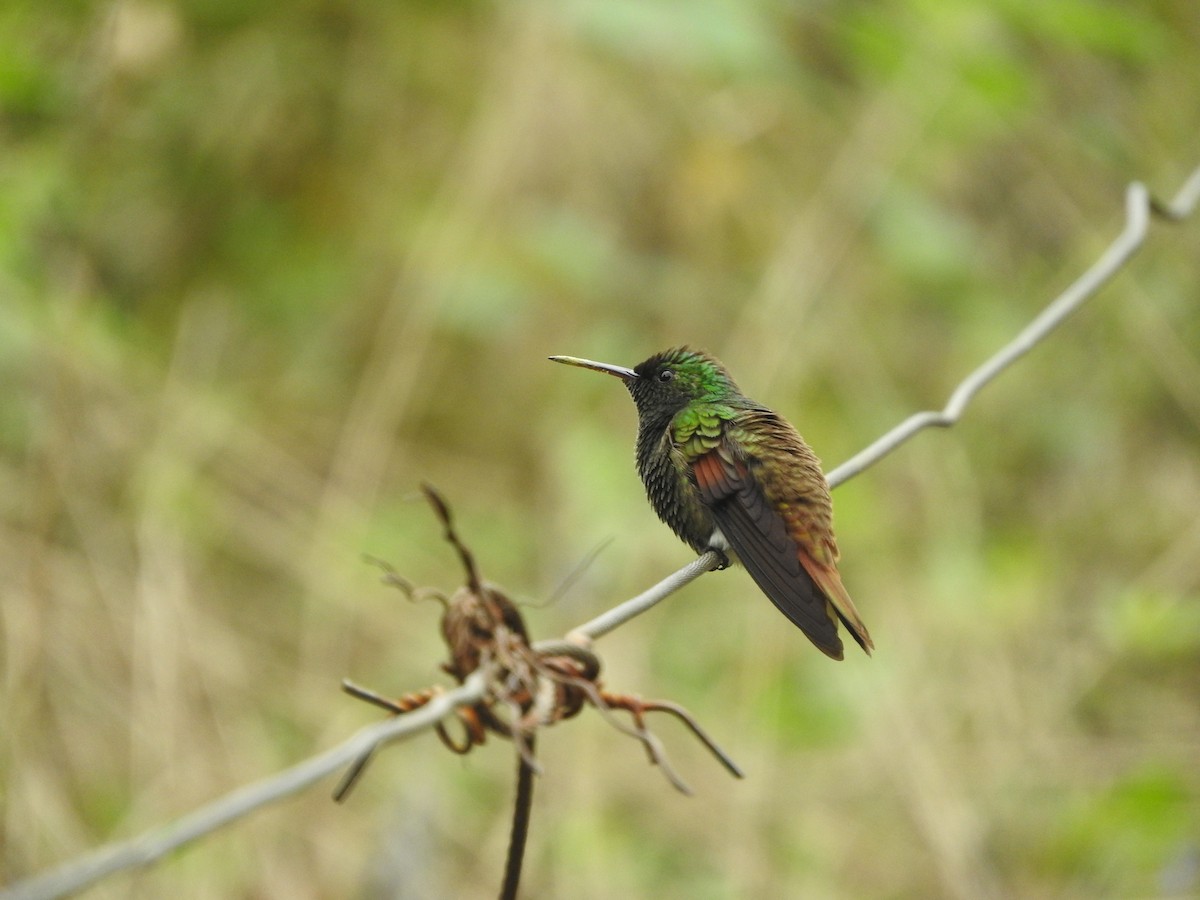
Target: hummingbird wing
783, 537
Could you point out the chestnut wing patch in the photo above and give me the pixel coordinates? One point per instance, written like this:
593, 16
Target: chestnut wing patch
760, 538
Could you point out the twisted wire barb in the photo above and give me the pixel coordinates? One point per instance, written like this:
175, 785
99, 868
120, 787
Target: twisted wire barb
77, 874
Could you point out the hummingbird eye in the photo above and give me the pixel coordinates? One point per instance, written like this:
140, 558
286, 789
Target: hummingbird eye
666, 375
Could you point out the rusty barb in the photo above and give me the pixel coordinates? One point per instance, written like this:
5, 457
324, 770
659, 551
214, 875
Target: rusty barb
530, 686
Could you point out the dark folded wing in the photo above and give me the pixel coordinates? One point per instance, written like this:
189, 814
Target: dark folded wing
759, 536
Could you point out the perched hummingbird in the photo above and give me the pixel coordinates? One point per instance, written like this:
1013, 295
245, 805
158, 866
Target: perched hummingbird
728, 474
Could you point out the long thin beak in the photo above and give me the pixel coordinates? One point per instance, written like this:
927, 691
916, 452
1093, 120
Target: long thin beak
620, 371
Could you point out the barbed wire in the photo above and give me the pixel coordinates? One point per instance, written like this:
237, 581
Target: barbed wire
1138, 206
152, 845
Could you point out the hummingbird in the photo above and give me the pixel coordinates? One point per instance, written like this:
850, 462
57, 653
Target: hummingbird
728, 474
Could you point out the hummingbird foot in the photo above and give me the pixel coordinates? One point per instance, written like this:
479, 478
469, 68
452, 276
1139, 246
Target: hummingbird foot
718, 544
722, 559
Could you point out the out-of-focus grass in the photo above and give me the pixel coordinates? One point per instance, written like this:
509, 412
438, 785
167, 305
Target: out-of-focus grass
266, 268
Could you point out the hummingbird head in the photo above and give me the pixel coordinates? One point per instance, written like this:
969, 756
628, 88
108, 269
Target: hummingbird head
668, 382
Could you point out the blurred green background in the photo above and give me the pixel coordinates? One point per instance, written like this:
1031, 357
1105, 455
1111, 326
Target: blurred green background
264, 267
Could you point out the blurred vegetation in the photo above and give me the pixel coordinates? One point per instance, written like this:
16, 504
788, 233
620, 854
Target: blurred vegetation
266, 266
